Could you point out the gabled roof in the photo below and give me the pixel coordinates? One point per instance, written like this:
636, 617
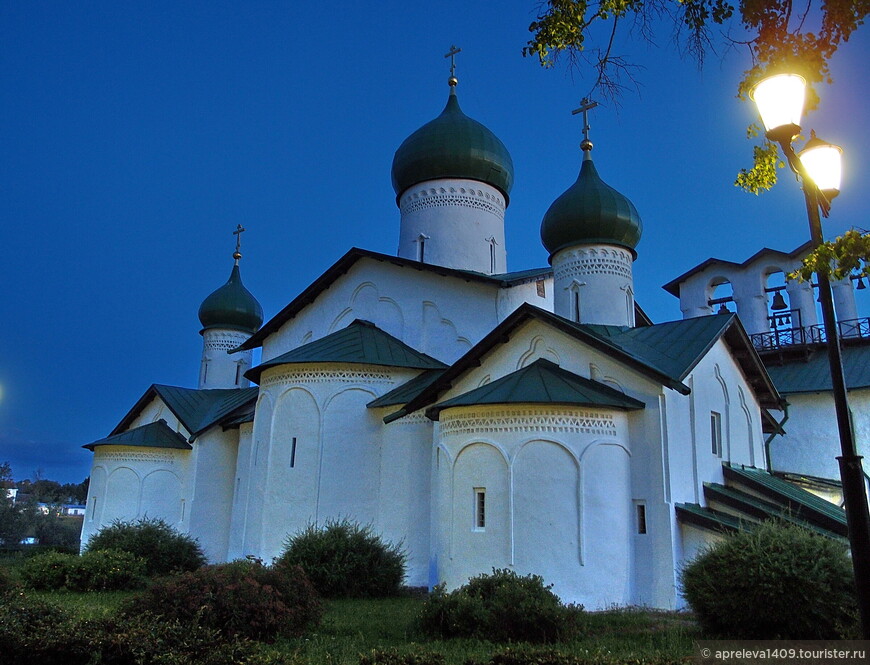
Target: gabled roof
666, 352
541, 382
362, 342
407, 391
673, 287
812, 374
152, 435
346, 262
197, 410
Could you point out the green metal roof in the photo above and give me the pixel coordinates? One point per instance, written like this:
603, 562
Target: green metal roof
407, 391
590, 211
361, 342
801, 502
813, 374
197, 410
713, 520
152, 435
452, 146
764, 510
231, 306
542, 382
666, 352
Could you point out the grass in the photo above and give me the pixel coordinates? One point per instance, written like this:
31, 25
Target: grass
354, 627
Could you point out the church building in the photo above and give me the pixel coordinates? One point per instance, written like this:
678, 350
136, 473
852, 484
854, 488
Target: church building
533, 420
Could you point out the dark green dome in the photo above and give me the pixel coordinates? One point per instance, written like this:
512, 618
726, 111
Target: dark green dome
231, 306
591, 211
453, 146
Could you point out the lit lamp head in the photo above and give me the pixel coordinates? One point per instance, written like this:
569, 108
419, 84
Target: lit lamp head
780, 102
824, 164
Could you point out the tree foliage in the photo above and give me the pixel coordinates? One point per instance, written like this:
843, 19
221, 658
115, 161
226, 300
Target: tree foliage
779, 35
847, 255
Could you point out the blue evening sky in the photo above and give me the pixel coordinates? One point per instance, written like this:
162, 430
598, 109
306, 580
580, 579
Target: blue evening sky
135, 136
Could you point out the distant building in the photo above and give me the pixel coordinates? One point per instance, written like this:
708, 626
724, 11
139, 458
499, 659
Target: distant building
533, 420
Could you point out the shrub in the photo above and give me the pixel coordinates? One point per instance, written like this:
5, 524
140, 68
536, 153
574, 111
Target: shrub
33, 631
8, 584
105, 570
553, 657
243, 598
502, 606
102, 570
46, 570
777, 581
346, 560
164, 549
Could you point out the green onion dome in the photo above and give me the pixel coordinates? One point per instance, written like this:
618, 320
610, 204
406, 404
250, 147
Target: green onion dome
231, 306
453, 146
591, 212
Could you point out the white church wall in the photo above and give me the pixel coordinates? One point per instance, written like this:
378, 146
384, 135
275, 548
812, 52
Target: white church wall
211, 500
538, 293
252, 501
811, 443
440, 316
549, 474
594, 284
157, 410
323, 455
404, 494
241, 489
454, 223
131, 482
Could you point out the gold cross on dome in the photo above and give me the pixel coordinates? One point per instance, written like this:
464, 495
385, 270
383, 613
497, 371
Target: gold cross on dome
238, 233
452, 55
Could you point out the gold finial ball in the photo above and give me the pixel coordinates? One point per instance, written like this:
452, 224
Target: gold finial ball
237, 255
585, 145
452, 81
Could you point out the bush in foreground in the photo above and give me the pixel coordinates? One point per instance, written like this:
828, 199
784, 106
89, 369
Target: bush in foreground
101, 570
346, 560
502, 606
777, 581
33, 631
164, 549
239, 599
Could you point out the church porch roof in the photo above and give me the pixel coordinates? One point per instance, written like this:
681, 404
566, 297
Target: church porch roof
152, 435
362, 342
541, 382
812, 374
407, 391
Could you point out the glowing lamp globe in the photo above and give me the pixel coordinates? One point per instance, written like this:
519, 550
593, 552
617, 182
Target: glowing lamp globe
824, 164
780, 102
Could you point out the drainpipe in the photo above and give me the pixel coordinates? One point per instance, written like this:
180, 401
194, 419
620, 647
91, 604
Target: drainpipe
768, 440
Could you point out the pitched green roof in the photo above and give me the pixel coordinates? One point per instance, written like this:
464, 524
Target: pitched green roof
813, 374
801, 502
152, 435
361, 342
542, 382
196, 409
666, 352
407, 391
713, 520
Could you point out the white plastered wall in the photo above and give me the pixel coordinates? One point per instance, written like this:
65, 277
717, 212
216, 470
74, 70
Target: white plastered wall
318, 453
440, 316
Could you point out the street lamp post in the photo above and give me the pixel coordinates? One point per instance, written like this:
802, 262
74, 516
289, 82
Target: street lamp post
780, 101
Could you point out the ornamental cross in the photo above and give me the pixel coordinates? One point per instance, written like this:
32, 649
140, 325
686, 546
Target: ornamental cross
452, 56
586, 105
238, 233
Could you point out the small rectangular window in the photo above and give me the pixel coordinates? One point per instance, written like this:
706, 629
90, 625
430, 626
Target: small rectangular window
540, 285
238, 372
479, 508
641, 518
716, 433
293, 453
